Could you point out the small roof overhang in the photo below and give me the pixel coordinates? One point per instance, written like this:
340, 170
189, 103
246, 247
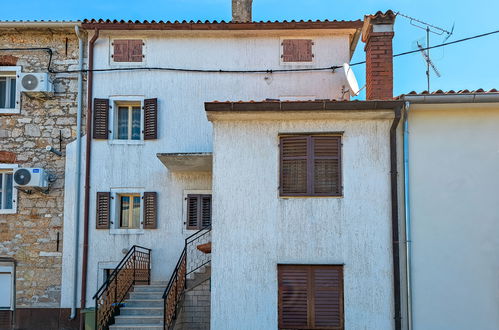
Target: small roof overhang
187, 162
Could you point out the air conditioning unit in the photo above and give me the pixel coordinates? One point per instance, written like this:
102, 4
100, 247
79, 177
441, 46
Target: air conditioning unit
35, 83
31, 178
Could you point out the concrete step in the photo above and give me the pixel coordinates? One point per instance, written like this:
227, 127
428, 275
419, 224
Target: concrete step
138, 319
149, 288
147, 295
141, 311
136, 326
144, 303
163, 283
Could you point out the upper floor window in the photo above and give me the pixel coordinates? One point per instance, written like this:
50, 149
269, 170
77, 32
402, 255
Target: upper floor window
296, 50
310, 165
127, 50
9, 93
8, 195
129, 211
126, 119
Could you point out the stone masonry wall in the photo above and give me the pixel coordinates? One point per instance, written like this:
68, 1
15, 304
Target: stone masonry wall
31, 235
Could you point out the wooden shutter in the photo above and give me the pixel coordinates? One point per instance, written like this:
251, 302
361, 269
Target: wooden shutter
198, 211
120, 51
150, 119
150, 210
135, 50
310, 297
327, 165
102, 219
101, 119
293, 165
297, 50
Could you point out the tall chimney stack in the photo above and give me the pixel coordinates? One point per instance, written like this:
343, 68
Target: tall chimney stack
241, 11
377, 33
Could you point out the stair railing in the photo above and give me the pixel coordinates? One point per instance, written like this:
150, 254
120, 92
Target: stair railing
191, 259
134, 268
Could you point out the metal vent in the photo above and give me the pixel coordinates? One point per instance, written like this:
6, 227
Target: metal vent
22, 176
29, 82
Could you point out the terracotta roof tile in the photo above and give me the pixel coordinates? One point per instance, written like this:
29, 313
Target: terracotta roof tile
450, 92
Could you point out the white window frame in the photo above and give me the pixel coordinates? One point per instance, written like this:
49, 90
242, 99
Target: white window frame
12, 71
9, 267
114, 64
115, 211
115, 102
4, 168
281, 48
184, 207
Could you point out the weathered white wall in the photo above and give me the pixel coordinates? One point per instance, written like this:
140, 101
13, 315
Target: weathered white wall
254, 229
454, 162
183, 126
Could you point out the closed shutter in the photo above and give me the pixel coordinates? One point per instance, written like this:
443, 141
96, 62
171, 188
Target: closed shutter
101, 119
198, 211
293, 165
135, 50
310, 297
150, 210
120, 51
150, 119
102, 219
297, 50
326, 165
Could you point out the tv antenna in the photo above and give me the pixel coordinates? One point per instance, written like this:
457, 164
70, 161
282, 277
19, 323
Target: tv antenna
429, 28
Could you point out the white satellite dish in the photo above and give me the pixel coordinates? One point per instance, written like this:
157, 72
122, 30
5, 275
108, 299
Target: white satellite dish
353, 86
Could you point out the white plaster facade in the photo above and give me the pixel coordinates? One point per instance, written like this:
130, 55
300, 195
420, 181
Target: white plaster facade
183, 126
453, 166
254, 229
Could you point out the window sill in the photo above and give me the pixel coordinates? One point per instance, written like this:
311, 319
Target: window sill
9, 111
127, 142
9, 211
307, 196
116, 231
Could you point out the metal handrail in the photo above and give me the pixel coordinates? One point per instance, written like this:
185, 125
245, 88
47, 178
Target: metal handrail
176, 285
116, 282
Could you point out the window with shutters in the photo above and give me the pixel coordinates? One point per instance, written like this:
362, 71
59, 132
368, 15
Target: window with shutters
310, 165
310, 297
297, 51
127, 50
198, 211
8, 194
129, 211
128, 121
10, 94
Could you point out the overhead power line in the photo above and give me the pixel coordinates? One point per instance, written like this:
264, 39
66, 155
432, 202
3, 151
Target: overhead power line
267, 71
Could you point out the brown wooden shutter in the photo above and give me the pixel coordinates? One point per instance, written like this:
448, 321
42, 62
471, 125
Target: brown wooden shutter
102, 219
297, 50
198, 211
135, 50
150, 210
120, 51
310, 297
150, 119
101, 119
293, 165
327, 165
205, 211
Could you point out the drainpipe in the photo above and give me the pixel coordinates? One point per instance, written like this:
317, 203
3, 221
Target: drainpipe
77, 172
87, 173
407, 208
395, 218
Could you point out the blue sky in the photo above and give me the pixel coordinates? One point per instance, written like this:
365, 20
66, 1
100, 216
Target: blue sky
469, 65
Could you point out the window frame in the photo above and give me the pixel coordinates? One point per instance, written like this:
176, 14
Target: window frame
8, 266
115, 102
294, 63
7, 168
311, 298
310, 169
115, 214
12, 71
130, 219
113, 63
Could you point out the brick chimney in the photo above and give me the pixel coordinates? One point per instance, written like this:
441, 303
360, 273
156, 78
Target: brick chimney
377, 33
241, 11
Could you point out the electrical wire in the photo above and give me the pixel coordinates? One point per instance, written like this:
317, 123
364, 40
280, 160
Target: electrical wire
266, 71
